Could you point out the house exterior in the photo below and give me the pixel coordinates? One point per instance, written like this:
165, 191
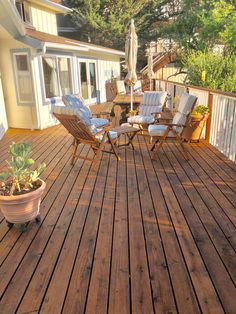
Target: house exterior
37, 66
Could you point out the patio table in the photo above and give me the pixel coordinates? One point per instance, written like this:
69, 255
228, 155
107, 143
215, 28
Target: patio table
129, 131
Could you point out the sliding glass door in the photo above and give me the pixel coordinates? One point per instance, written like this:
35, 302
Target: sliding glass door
88, 81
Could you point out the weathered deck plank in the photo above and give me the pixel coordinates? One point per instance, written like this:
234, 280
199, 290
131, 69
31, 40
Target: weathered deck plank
133, 236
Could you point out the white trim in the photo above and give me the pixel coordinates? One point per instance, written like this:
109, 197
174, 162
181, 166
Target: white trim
23, 52
87, 61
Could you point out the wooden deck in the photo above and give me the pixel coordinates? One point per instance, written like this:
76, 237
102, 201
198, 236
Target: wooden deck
135, 236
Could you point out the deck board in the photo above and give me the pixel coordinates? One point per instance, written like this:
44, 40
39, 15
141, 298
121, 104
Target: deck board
134, 236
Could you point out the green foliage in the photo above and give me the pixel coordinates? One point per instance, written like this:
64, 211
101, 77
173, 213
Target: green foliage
200, 109
106, 22
219, 70
202, 24
19, 176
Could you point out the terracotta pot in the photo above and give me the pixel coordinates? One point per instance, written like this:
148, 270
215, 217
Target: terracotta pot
194, 128
22, 208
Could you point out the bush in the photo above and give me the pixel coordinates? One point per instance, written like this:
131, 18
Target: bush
219, 70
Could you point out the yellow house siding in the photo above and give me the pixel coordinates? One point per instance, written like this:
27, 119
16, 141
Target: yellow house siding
44, 20
3, 118
17, 116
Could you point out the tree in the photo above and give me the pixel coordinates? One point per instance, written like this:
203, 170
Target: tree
106, 22
203, 24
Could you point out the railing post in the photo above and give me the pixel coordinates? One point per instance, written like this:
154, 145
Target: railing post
208, 124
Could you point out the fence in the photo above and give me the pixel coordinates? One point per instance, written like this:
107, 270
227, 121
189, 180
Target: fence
221, 126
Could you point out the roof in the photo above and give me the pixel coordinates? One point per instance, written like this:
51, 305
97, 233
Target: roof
160, 61
71, 43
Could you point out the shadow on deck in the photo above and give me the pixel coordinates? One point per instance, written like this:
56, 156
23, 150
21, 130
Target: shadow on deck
135, 236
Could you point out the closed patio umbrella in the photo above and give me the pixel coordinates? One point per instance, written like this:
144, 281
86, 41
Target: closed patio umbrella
131, 49
150, 66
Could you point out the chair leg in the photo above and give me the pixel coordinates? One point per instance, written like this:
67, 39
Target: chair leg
185, 151
153, 146
113, 145
158, 147
76, 143
162, 140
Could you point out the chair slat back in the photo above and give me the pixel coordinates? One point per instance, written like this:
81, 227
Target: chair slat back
120, 87
77, 128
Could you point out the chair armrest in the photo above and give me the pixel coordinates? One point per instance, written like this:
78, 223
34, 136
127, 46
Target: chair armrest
171, 124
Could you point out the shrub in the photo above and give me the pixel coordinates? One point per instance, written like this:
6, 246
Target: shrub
219, 70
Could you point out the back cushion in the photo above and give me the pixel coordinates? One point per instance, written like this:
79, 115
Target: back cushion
73, 110
186, 103
152, 102
179, 118
154, 98
72, 100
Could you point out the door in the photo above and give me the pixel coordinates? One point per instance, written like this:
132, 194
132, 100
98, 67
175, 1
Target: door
88, 81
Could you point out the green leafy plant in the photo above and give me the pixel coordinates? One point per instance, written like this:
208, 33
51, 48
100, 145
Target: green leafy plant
19, 178
219, 70
200, 109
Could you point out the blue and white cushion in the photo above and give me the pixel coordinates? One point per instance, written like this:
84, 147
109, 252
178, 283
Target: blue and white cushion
98, 122
112, 134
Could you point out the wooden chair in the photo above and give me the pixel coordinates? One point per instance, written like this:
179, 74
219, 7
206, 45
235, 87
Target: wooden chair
152, 104
83, 134
174, 130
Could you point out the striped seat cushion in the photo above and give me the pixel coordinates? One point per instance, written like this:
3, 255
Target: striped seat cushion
113, 135
141, 119
158, 130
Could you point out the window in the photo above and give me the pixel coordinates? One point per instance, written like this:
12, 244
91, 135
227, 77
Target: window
65, 75
57, 76
23, 77
23, 8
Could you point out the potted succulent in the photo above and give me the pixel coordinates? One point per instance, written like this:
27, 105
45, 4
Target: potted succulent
198, 118
20, 187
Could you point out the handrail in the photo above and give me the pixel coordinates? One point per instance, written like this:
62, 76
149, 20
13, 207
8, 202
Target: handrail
212, 91
221, 124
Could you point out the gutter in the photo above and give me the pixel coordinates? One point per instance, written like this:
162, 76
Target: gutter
100, 49
12, 16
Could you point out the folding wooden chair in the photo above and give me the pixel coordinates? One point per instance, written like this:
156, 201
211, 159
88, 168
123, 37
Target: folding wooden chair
152, 103
163, 131
84, 134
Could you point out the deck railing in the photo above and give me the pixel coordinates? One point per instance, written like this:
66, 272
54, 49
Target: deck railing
221, 126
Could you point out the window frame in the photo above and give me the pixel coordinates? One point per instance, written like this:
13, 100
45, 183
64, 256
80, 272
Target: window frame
56, 57
24, 6
26, 52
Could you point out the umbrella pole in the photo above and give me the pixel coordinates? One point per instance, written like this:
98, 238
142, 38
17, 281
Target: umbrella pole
131, 97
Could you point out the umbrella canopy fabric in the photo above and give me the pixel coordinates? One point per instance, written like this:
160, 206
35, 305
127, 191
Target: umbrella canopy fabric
131, 50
